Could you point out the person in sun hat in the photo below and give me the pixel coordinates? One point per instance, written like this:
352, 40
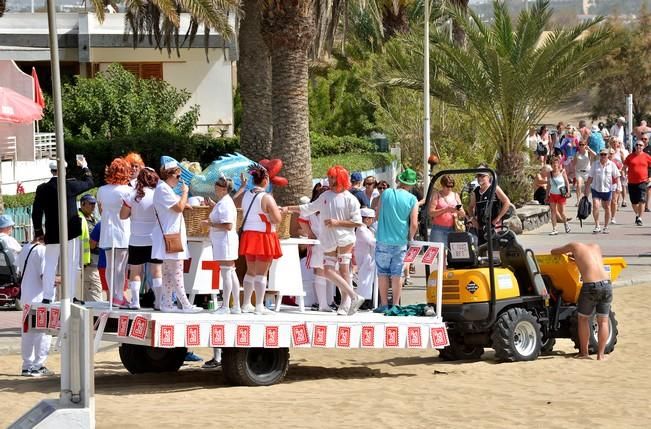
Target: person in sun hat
9, 242
479, 200
365, 258
397, 225
603, 174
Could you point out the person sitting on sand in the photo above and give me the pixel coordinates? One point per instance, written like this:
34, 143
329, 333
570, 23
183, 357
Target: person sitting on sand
596, 293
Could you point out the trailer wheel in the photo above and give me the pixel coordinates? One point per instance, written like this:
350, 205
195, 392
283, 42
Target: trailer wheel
547, 345
255, 366
458, 350
516, 336
593, 341
142, 359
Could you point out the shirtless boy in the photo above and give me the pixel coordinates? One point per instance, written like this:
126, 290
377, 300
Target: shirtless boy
596, 293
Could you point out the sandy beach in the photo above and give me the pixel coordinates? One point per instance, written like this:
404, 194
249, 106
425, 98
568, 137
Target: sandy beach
378, 388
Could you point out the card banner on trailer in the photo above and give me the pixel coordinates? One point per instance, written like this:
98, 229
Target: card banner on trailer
243, 336
349, 333
371, 336
26, 308
271, 334
439, 336
166, 335
55, 317
300, 337
411, 254
394, 336
41, 317
324, 335
139, 328
222, 335
193, 335
417, 337
430, 255
123, 325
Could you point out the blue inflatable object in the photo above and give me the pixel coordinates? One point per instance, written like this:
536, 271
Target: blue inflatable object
230, 166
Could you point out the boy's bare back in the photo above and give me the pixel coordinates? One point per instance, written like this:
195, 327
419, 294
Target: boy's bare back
588, 259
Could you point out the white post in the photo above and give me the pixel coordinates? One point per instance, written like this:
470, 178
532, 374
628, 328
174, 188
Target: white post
426, 98
629, 120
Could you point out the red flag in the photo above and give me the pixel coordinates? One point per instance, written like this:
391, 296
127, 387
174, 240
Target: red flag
38, 94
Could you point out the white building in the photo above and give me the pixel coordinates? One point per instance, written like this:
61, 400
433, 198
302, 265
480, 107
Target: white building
86, 47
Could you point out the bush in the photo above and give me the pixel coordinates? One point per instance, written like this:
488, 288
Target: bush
331, 145
351, 162
15, 201
151, 146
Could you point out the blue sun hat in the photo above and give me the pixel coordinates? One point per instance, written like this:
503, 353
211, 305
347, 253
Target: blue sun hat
6, 221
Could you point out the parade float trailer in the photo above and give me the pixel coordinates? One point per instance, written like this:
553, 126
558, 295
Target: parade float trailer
255, 347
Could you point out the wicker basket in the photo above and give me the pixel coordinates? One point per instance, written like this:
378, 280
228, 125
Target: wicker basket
193, 218
282, 228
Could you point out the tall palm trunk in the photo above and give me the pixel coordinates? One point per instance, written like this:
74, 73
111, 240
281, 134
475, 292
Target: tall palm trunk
254, 76
288, 29
458, 34
513, 177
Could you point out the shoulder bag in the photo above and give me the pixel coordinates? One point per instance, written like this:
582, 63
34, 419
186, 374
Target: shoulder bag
246, 215
173, 242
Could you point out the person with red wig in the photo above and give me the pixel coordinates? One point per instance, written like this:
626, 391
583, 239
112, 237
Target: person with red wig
136, 164
259, 242
340, 215
115, 232
139, 207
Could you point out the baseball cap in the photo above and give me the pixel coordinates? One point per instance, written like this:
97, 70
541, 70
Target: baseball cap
356, 176
621, 119
55, 166
603, 150
88, 198
366, 212
6, 220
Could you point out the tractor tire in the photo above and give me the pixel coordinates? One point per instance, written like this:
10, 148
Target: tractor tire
547, 345
516, 336
255, 366
593, 342
457, 350
142, 359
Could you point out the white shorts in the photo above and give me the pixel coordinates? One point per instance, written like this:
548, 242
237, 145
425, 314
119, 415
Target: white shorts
314, 256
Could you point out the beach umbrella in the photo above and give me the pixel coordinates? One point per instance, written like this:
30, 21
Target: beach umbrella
38, 93
18, 109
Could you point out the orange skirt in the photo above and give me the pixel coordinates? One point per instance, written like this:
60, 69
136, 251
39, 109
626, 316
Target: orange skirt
260, 244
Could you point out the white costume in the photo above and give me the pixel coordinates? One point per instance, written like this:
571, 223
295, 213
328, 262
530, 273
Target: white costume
365, 259
142, 217
335, 205
171, 221
225, 244
34, 345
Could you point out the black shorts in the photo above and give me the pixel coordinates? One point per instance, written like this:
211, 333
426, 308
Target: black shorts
139, 255
595, 296
637, 192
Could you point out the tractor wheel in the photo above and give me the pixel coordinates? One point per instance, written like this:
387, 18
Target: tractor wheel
141, 359
255, 366
516, 336
593, 341
457, 350
547, 345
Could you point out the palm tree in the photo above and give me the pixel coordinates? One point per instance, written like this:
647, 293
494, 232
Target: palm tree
509, 75
3, 5
288, 30
254, 78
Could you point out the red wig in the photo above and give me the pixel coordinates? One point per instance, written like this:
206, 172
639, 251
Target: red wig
341, 176
134, 158
118, 173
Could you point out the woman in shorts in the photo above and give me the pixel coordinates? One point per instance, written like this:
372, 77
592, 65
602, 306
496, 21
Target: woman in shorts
557, 191
581, 163
139, 206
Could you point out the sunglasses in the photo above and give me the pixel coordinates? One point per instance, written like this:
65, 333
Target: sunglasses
603, 154
449, 186
178, 176
580, 144
382, 187
369, 184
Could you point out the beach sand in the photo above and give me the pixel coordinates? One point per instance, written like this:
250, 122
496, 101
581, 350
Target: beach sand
378, 388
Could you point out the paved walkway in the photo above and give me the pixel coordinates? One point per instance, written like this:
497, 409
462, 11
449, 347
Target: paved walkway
625, 239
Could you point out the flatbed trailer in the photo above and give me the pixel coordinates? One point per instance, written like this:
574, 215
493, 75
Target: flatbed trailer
255, 347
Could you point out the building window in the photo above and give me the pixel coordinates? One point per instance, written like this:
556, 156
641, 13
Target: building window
145, 70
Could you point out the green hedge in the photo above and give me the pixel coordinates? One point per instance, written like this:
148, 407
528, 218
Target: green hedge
151, 146
323, 145
351, 161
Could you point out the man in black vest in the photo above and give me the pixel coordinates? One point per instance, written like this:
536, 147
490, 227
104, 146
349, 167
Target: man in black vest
46, 203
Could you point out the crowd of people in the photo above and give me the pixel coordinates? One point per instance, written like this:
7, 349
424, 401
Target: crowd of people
605, 166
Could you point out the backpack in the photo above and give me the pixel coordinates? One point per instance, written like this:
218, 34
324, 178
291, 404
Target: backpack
584, 210
541, 149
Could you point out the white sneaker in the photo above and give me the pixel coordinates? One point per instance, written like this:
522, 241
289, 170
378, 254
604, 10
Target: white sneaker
222, 310
342, 311
263, 311
596, 230
326, 309
192, 309
605, 230
248, 308
613, 221
355, 304
236, 310
554, 232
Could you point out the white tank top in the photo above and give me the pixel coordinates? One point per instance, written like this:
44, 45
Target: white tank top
582, 162
257, 219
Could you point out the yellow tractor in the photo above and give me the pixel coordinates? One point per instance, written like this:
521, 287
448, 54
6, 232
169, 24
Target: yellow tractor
500, 295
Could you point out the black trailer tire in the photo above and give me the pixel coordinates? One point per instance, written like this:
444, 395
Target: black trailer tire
255, 366
593, 342
142, 359
547, 345
516, 336
458, 350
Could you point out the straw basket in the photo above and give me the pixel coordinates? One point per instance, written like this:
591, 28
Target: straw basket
282, 228
193, 218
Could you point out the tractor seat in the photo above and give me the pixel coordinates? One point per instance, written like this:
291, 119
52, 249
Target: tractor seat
462, 250
525, 268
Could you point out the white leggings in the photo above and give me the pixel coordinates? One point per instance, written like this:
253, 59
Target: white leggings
173, 282
35, 347
119, 270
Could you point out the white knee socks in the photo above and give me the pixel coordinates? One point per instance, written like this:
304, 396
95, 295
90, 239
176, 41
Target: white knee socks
260, 283
321, 289
227, 285
157, 286
134, 286
236, 288
247, 283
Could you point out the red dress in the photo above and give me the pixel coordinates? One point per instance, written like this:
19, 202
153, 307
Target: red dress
259, 237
